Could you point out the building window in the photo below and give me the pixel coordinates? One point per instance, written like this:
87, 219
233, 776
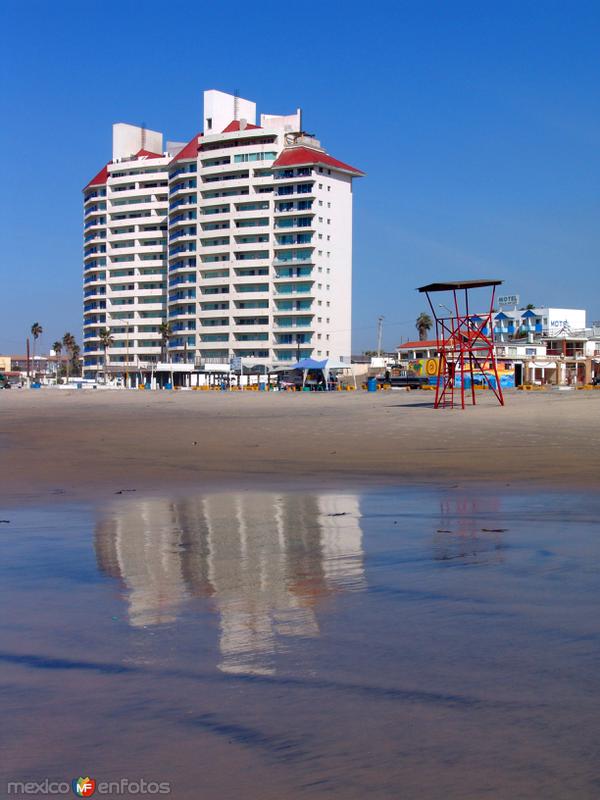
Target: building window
209, 123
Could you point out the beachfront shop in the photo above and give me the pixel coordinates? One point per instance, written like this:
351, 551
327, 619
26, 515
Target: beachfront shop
429, 369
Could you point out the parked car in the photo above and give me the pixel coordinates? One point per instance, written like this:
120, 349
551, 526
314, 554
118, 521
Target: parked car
404, 379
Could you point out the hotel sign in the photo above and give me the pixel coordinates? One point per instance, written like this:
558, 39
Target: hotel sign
508, 300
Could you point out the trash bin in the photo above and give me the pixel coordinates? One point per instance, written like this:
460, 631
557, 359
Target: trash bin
372, 385
168, 385
262, 387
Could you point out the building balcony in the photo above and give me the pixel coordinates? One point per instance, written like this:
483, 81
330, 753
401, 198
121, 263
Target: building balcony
99, 277
225, 178
252, 263
250, 247
153, 217
216, 280
296, 324
231, 194
95, 210
281, 309
294, 262
283, 290
96, 292
181, 192
261, 273
98, 194
182, 219
137, 205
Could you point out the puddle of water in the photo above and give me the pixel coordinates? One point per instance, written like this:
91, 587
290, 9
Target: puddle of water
409, 643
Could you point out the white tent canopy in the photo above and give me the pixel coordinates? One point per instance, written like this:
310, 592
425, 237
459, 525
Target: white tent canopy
326, 365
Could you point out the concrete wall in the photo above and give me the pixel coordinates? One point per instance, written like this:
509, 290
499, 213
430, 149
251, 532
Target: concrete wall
129, 139
220, 110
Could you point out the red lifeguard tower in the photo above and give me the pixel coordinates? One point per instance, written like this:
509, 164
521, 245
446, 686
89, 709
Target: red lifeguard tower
465, 343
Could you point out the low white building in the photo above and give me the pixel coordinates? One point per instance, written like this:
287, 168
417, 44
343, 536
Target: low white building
542, 321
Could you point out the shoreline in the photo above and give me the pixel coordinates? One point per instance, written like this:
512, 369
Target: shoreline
81, 445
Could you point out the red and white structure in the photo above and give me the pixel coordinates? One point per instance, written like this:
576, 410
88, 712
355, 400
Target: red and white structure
241, 238
465, 343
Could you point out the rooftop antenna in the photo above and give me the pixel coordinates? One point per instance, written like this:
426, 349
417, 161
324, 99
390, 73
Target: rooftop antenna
236, 103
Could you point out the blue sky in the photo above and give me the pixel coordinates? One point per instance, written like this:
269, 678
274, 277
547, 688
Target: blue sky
478, 124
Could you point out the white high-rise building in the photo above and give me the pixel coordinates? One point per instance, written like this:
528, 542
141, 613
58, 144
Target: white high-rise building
241, 239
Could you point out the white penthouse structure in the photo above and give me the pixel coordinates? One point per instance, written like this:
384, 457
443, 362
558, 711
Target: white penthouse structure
241, 239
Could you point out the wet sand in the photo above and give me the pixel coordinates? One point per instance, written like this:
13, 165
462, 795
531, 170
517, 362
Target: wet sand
215, 590
79, 443
430, 644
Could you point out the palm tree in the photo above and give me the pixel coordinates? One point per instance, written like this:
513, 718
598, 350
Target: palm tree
57, 347
75, 360
423, 325
165, 329
68, 341
36, 332
106, 341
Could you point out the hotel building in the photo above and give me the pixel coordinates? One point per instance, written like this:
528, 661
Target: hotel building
240, 238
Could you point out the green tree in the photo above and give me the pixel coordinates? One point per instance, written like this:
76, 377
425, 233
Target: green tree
36, 332
75, 359
69, 343
106, 341
57, 347
423, 325
166, 331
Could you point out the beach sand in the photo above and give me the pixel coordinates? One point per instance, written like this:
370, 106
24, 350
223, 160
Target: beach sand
79, 442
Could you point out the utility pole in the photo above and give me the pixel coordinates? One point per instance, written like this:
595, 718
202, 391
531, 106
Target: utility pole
379, 335
126, 353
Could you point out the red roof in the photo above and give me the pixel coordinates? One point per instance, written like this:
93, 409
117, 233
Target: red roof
428, 344
190, 150
99, 179
304, 156
147, 154
234, 126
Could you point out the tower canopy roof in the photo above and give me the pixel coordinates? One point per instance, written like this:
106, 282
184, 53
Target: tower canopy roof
300, 156
450, 286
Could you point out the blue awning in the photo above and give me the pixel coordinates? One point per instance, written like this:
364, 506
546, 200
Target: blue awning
309, 363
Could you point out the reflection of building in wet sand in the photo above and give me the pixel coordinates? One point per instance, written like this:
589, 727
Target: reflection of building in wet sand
265, 559
463, 534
